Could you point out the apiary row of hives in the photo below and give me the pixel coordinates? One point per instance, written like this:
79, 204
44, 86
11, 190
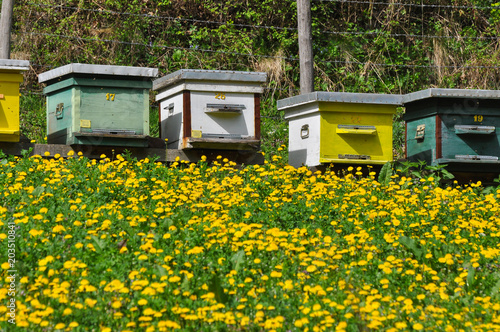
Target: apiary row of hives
458, 127
102, 105
109, 105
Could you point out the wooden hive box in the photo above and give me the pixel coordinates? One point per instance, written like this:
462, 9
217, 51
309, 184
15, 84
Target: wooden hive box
11, 76
98, 104
210, 109
457, 127
339, 128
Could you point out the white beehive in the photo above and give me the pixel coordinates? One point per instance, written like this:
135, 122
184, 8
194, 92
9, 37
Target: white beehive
210, 109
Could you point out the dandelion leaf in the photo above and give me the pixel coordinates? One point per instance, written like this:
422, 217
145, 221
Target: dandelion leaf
100, 244
38, 191
384, 177
237, 259
216, 288
411, 245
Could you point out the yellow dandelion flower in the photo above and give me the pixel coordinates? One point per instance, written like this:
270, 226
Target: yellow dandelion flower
311, 268
90, 302
148, 312
174, 279
418, 326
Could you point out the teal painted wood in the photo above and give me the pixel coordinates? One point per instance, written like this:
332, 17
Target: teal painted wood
59, 125
421, 148
114, 108
467, 134
98, 106
485, 144
420, 109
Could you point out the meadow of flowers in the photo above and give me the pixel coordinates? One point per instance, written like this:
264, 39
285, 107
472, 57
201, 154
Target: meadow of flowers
118, 244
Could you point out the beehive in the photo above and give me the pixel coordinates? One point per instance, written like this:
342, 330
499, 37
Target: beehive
11, 76
339, 128
454, 126
98, 104
210, 109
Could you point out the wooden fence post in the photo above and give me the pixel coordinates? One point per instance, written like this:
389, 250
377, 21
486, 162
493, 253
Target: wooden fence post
5, 26
305, 46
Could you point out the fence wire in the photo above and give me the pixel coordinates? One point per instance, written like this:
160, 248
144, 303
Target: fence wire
368, 33
194, 49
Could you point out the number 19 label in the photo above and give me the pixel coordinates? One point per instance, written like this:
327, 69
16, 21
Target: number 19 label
478, 118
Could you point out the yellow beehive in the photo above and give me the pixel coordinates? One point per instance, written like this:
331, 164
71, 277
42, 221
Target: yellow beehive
11, 75
340, 128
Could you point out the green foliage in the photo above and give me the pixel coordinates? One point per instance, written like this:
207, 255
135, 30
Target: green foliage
33, 116
412, 246
384, 176
434, 175
398, 134
154, 122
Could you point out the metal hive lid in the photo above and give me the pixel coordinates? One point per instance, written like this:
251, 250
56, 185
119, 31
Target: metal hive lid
451, 93
89, 69
209, 75
14, 64
343, 97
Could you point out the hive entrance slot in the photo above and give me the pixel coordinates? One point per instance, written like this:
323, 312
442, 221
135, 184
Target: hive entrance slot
222, 136
474, 129
356, 129
224, 108
475, 157
114, 131
354, 156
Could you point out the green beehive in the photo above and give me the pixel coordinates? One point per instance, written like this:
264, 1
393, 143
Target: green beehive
456, 127
98, 104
